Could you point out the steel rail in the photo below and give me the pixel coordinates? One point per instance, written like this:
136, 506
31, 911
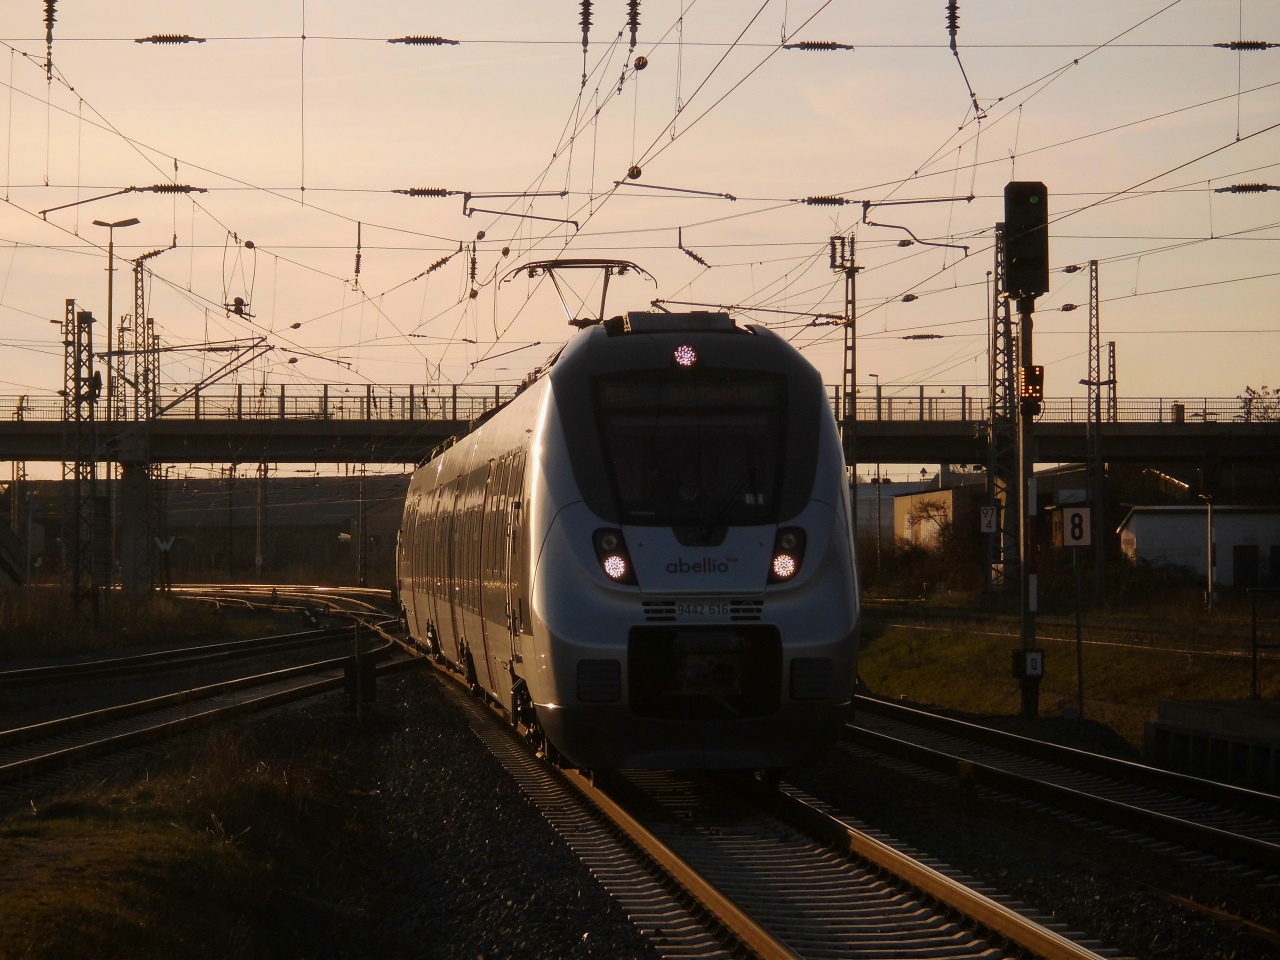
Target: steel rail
722, 910
163, 660
1211, 791
1187, 832
952, 894
742, 931
47, 728
30, 766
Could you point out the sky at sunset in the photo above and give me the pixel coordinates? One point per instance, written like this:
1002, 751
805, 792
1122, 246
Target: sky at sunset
1125, 109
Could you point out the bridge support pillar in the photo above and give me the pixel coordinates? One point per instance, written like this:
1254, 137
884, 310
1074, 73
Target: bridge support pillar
134, 531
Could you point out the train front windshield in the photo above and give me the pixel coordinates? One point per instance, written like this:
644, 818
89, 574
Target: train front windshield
694, 451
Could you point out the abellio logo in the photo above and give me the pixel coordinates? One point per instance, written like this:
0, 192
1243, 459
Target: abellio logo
701, 565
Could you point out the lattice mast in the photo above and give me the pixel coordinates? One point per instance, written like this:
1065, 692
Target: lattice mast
1002, 438
82, 386
842, 261
1095, 466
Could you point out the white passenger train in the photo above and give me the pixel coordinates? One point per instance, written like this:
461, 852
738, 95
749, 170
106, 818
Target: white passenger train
648, 554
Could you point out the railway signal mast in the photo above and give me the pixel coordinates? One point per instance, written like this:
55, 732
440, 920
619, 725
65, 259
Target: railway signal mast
1026, 245
842, 262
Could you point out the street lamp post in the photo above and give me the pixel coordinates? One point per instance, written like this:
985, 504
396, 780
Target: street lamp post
111, 274
111, 376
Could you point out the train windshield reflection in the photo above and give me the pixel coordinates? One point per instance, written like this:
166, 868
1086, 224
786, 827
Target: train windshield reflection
693, 452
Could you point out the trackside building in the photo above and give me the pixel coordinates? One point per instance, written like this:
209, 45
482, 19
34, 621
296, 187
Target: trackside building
1246, 541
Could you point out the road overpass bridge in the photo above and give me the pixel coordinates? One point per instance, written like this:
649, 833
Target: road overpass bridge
404, 423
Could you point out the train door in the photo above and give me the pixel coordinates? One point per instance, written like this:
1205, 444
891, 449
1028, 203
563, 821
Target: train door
518, 569
497, 631
450, 506
479, 489
436, 565
407, 539
418, 582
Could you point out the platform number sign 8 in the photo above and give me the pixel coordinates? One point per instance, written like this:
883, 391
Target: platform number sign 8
1072, 527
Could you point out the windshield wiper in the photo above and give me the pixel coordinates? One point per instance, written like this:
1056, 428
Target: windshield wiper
729, 501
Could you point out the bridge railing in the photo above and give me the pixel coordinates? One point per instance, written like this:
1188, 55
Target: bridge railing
296, 402
965, 402
932, 403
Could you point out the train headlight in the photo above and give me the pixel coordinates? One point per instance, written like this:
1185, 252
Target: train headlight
611, 551
784, 566
788, 554
685, 355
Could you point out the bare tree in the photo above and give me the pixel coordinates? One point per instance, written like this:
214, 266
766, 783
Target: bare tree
1260, 404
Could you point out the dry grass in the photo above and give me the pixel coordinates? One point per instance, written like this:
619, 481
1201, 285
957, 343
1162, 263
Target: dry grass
963, 669
222, 855
39, 622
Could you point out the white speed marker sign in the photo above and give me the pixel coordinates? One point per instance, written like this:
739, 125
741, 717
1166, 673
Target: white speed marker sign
988, 520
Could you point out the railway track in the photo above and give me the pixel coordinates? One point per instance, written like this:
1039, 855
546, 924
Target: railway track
367, 600
1169, 812
29, 751
36, 749
730, 866
163, 660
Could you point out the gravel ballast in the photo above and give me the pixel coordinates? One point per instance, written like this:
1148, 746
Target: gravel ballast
471, 868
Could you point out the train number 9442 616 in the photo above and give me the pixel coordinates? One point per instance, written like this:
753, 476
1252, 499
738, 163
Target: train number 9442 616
697, 608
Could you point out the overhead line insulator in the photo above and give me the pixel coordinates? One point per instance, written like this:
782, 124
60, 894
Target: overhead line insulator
1247, 45
170, 188
923, 336
50, 18
826, 201
817, 45
1247, 188
633, 20
585, 20
425, 192
425, 41
170, 38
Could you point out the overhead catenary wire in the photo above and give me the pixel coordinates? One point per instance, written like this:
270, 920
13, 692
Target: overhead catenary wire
680, 243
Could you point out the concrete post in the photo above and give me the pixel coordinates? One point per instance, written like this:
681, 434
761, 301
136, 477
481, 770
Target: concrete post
135, 527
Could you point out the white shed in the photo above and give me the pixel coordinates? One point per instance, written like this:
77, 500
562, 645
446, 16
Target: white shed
1246, 541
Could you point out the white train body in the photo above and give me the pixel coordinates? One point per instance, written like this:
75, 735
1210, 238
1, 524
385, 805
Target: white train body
649, 551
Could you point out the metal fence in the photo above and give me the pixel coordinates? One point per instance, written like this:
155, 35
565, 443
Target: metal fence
935, 402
